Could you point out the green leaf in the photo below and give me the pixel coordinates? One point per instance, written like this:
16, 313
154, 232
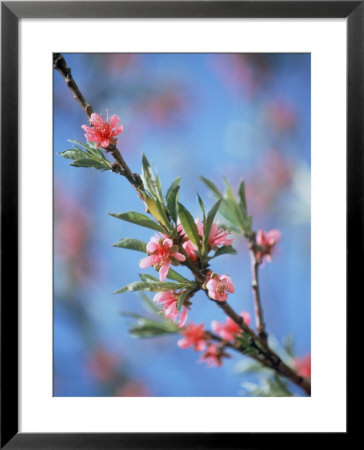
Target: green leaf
227, 210
148, 277
152, 286
212, 186
78, 143
182, 298
148, 176
132, 244
147, 328
86, 155
227, 207
173, 185
159, 188
90, 150
72, 153
224, 250
202, 206
189, 225
209, 221
173, 275
91, 163
138, 219
155, 190
242, 198
172, 203
244, 341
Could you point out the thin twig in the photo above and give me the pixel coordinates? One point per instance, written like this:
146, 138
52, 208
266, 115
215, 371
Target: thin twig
254, 262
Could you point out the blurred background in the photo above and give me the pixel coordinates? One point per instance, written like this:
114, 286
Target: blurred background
239, 115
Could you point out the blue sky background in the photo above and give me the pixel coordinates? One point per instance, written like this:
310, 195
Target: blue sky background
241, 116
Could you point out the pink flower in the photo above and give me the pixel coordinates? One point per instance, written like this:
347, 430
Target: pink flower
101, 132
303, 366
228, 329
217, 236
188, 246
213, 356
190, 249
267, 242
162, 253
193, 335
218, 286
168, 300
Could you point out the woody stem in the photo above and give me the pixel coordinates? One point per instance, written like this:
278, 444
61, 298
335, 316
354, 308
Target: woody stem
254, 262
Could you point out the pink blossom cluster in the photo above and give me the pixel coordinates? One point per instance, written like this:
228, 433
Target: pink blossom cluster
101, 132
195, 336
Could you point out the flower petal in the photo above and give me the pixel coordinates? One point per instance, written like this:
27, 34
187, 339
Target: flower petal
147, 262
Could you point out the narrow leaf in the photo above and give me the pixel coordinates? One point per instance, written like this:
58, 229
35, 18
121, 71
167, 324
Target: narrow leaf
182, 298
173, 275
189, 225
148, 277
93, 163
148, 175
202, 206
132, 244
151, 286
229, 193
173, 185
226, 249
242, 197
156, 211
146, 328
212, 186
138, 219
73, 153
172, 203
209, 221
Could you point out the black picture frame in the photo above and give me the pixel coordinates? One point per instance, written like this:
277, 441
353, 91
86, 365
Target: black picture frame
11, 12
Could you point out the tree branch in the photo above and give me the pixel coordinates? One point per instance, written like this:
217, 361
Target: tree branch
267, 357
271, 359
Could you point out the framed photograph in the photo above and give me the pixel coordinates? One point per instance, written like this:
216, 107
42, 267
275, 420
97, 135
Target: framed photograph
181, 200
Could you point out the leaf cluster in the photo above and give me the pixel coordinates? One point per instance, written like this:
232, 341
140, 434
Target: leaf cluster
86, 155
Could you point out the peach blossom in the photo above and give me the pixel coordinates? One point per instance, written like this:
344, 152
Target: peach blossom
168, 300
228, 329
101, 132
213, 356
217, 236
162, 253
193, 335
267, 242
218, 286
